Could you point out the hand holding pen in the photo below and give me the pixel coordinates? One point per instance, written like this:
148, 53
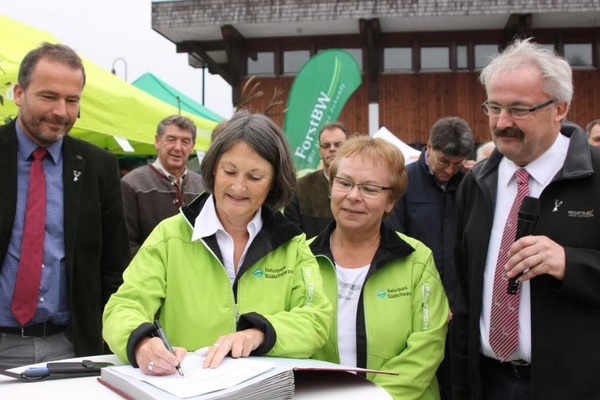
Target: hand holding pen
163, 337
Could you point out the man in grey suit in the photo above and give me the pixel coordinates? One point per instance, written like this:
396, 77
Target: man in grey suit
83, 244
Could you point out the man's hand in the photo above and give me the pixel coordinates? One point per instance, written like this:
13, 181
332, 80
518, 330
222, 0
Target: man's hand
536, 255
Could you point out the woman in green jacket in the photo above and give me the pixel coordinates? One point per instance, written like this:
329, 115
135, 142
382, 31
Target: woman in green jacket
229, 272
390, 307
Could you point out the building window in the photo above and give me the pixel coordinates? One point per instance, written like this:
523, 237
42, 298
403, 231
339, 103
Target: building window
263, 65
579, 54
435, 58
461, 57
547, 46
397, 59
484, 54
294, 60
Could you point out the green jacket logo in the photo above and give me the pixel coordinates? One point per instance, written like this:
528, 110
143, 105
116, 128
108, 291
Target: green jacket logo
393, 293
259, 273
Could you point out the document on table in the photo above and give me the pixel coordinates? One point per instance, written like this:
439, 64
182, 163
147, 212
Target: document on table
199, 380
253, 378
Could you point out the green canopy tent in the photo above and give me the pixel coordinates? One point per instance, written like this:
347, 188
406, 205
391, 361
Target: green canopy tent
158, 88
111, 109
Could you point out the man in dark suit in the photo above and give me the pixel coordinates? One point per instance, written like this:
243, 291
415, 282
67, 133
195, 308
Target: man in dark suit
82, 246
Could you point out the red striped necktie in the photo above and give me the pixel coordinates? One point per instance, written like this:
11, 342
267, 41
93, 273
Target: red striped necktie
504, 321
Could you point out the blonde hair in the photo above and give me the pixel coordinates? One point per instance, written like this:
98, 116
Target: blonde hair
379, 152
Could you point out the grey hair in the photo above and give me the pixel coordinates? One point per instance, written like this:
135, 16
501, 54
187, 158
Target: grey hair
557, 74
183, 123
452, 136
264, 136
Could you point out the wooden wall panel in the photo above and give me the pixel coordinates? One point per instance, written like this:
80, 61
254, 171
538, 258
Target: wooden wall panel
409, 104
586, 100
415, 101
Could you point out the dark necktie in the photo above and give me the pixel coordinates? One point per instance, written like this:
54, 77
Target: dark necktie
24, 302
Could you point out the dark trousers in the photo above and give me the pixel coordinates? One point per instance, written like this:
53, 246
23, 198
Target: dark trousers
444, 376
502, 381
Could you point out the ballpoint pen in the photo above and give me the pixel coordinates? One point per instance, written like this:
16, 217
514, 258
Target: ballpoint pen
163, 337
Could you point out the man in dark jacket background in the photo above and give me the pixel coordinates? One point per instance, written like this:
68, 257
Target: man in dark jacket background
427, 211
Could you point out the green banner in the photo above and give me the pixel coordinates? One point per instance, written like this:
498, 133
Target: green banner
317, 96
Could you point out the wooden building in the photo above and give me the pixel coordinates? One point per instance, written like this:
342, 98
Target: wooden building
420, 58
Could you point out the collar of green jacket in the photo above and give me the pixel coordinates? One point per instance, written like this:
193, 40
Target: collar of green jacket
391, 247
278, 229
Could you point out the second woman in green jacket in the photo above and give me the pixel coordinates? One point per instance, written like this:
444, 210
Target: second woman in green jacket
390, 307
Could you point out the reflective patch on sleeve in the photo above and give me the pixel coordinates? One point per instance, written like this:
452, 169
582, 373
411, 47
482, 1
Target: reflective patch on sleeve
425, 295
309, 285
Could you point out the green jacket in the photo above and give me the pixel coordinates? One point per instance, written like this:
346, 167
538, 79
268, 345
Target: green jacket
278, 289
402, 316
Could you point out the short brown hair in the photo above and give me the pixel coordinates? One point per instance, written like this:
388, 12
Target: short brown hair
52, 51
592, 124
334, 125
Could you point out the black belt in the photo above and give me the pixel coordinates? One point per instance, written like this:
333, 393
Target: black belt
519, 369
37, 330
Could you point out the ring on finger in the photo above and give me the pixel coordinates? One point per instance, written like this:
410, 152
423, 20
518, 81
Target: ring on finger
216, 344
151, 366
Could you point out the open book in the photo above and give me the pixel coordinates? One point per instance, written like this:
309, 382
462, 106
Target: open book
260, 378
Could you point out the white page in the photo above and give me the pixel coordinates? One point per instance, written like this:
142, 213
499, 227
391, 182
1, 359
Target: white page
198, 380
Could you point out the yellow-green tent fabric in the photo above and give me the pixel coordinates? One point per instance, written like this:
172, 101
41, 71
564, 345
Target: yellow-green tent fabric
109, 106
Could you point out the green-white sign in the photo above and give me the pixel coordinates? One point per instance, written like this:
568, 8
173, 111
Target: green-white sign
317, 97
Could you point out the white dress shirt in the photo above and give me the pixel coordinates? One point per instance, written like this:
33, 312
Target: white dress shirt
207, 223
542, 170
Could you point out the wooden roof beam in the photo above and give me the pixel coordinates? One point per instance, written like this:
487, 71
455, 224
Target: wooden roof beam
518, 25
198, 51
235, 47
370, 30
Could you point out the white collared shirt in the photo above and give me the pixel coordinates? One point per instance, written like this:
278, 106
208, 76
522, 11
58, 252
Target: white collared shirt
207, 223
542, 170
156, 164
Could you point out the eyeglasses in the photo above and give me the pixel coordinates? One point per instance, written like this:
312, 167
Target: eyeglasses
443, 163
325, 146
365, 190
494, 110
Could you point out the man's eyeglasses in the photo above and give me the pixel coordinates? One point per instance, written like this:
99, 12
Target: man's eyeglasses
365, 190
494, 109
443, 163
326, 145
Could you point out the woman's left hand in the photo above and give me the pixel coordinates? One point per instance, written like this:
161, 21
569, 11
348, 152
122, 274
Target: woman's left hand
239, 344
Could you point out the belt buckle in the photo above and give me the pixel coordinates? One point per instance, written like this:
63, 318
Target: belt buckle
515, 367
24, 336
